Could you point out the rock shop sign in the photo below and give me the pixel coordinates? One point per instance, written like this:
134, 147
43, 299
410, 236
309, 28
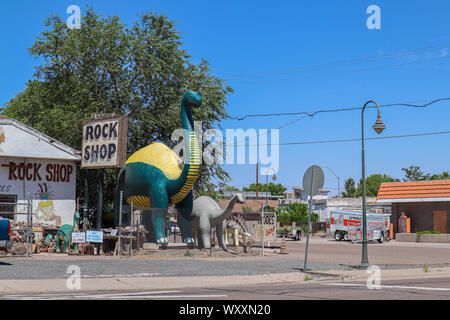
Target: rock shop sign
104, 143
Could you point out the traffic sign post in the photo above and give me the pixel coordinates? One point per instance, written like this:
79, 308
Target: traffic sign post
313, 180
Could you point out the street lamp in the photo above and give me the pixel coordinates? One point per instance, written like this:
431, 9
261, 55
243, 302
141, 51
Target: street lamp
378, 127
338, 179
267, 205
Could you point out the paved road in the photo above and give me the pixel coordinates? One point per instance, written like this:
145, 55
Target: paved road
19, 268
324, 254
435, 289
389, 253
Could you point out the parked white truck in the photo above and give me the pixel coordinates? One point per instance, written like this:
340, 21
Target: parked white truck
347, 225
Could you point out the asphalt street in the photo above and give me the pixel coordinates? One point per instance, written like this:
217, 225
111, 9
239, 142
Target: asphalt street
324, 254
21, 268
417, 289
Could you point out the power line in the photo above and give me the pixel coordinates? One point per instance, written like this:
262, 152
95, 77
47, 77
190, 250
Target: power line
346, 72
353, 139
308, 114
312, 114
341, 62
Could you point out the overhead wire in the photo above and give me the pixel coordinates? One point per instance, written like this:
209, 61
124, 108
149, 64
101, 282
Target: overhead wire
312, 114
339, 63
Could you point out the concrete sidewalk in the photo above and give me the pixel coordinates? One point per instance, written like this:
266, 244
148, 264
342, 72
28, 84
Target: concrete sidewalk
35, 286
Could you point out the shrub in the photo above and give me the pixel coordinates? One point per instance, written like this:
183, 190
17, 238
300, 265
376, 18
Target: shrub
418, 234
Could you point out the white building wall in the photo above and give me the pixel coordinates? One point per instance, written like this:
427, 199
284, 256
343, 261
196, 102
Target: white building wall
49, 183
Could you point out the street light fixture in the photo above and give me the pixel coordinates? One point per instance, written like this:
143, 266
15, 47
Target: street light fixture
378, 127
338, 179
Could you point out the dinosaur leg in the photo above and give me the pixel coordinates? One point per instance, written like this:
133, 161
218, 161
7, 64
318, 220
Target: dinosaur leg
195, 232
201, 245
220, 230
160, 202
58, 243
205, 230
184, 218
66, 243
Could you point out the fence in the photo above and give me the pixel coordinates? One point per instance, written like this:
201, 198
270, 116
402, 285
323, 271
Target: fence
20, 215
134, 231
315, 226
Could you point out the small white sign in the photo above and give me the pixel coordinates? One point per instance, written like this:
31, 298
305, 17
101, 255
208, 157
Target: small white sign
114, 232
78, 237
94, 236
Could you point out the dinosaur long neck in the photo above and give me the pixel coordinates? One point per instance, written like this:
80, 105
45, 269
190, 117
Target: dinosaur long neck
228, 209
183, 184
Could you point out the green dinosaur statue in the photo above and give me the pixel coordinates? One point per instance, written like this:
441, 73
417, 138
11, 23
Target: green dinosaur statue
64, 232
154, 178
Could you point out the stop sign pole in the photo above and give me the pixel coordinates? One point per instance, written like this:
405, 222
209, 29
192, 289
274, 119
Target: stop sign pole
312, 182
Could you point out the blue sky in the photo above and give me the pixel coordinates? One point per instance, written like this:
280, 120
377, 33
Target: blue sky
248, 37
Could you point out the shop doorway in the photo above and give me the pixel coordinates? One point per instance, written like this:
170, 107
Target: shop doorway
440, 221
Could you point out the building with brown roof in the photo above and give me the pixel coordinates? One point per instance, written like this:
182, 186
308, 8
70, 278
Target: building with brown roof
426, 203
253, 205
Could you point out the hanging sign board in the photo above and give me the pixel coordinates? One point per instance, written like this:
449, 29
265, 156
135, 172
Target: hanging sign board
254, 225
104, 143
94, 236
78, 237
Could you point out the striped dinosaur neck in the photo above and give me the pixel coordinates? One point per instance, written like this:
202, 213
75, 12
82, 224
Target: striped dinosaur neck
184, 183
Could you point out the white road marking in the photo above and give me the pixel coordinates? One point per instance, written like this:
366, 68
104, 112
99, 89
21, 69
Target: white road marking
119, 295
178, 296
125, 295
387, 287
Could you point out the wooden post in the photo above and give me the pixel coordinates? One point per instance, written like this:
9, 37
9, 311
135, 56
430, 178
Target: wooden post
257, 181
391, 231
236, 237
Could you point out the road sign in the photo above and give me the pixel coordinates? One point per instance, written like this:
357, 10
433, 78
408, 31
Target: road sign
313, 180
94, 236
78, 237
312, 183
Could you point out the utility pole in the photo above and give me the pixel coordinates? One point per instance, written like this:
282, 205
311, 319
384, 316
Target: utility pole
257, 174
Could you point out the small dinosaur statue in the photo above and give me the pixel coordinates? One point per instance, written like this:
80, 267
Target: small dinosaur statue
206, 214
64, 232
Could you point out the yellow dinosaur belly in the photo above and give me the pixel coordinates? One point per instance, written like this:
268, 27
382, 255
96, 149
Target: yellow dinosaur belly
139, 202
161, 157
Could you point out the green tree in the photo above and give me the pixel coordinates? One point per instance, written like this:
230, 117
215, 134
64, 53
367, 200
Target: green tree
350, 188
413, 173
230, 188
373, 183
140, 71
274, 189
209, 191
441, 176
295, 212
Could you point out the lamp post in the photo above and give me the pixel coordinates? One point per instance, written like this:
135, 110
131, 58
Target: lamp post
338, 179
266, 206
378, 127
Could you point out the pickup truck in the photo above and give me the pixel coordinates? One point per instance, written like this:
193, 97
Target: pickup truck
5, 230
295, 234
